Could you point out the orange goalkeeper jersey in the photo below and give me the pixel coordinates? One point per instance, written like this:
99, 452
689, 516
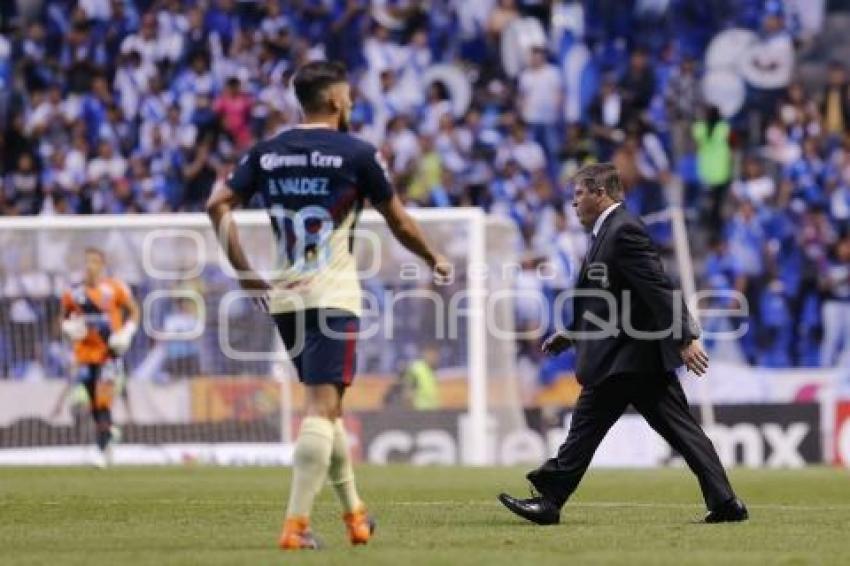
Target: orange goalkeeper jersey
102, 307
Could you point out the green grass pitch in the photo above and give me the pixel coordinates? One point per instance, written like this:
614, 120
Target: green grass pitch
207, 515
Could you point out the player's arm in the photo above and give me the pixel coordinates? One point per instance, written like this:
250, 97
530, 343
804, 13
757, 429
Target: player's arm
72, 323
375, 179
409, 233
227, 196
222, 202
133, 312
121, 339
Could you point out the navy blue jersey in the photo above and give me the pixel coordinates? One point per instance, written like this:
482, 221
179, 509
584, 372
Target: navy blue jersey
314, 181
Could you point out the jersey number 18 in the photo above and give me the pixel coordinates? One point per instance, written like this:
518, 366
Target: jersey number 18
304, 244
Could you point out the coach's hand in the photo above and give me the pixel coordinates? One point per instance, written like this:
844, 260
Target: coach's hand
556, 344
695, 358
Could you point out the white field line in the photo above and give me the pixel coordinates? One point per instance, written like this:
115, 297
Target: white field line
452, 503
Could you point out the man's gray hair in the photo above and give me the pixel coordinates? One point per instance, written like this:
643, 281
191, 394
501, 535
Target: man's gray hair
600, 176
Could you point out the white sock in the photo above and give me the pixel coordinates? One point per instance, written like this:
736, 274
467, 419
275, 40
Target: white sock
341, 473
310, 466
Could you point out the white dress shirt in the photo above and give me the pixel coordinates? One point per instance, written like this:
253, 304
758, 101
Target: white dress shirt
605, 213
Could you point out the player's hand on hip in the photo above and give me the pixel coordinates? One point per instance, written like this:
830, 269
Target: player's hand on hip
695, 358
257, 288
556, 344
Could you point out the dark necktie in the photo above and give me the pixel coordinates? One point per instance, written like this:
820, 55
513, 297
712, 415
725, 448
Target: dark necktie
587, 253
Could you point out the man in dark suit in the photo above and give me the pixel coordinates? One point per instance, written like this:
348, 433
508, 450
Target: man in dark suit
631, 331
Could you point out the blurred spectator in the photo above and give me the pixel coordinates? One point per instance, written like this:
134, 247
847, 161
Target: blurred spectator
22, 187
222, 22
781, 147
682, 99
836, 306
50, 117
768, 64
645, 171
714, 161
148, 43
756, 186
420, 386
428, 173
182, 357
404, 147
563, 252
137, 106
196, 39
608, 115
150, 190
799, 112
199, 174
60, 181
638, 84
500, 17
437, 105
839, 201
776, 330
835, 106
541, 93
131, 82
390, 101
122, 20
805, 176
522, 149
234, 108
107, 166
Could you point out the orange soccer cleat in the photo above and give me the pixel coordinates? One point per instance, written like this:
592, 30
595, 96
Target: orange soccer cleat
296, 535
360, 526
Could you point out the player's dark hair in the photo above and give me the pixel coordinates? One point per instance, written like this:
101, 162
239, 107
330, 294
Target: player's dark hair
311, 81
600, 176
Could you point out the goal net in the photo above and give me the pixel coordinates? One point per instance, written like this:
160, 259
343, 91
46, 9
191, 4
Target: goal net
206, 378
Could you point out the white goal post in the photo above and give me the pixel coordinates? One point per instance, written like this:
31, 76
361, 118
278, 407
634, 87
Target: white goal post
175, 257
233, 402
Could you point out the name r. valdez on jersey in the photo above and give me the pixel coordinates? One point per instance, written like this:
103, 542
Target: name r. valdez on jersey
299, 186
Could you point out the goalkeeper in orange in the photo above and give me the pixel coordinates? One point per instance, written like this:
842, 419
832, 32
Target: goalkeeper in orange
100, 317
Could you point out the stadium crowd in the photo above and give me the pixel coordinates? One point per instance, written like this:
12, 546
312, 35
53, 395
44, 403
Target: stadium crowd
128, 106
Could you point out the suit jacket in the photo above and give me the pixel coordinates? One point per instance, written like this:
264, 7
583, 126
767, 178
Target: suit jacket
624, 263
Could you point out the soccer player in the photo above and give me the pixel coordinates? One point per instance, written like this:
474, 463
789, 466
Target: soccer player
100, 317
314, 180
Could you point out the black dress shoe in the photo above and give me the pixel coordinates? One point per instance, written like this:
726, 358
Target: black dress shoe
732, 511
535, 509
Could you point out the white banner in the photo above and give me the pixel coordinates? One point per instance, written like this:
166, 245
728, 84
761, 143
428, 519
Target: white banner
235, 454
151, 403
733, 384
